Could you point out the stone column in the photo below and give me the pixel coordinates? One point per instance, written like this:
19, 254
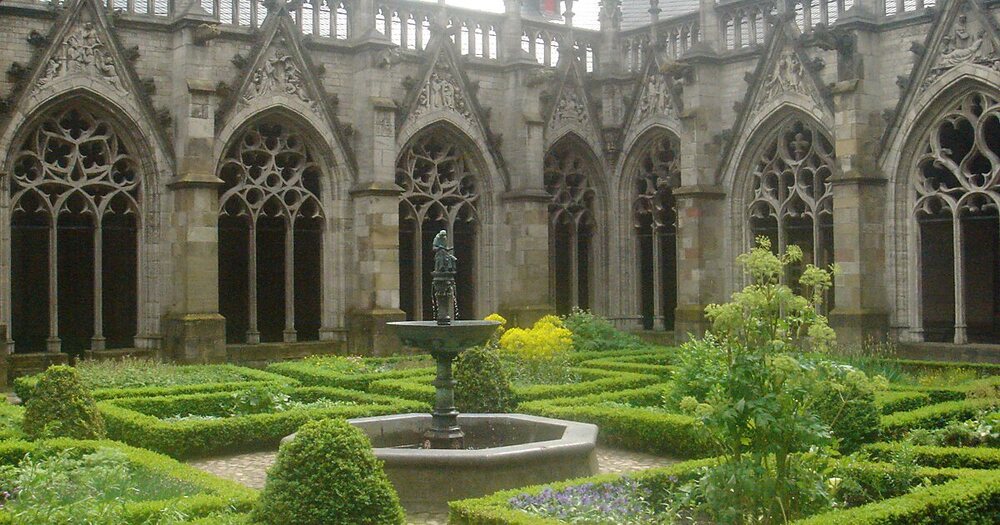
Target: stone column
4, 357
859, 189
702, 261
194, 331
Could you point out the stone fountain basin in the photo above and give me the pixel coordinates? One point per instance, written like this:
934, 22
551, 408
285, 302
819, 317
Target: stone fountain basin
506, 451
451, 338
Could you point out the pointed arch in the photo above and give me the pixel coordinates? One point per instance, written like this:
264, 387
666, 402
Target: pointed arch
577, 224
649, 174
79, 218
946, 198
281, 211
782, 189
446, 186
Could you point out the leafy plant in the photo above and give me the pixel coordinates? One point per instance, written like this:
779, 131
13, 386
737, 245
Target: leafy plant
623, 502
74, 488
983, 430
758, 400
61, 407
594, 333
328, 475
540, 354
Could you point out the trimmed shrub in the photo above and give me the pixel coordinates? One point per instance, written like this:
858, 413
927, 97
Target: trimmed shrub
939, 457
933, 416
851, 413
483, 385
890, 401
142, 421
328, 475
61, 407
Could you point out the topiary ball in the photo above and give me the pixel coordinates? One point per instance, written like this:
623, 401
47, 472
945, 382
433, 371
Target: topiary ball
328, 475
60, 406
483, 385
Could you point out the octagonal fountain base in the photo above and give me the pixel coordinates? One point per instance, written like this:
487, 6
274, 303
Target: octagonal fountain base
503, 451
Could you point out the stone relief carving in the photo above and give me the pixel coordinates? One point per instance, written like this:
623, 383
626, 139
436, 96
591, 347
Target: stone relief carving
571, 108
964, 45
82, 52
278, 73
656, 98
442, 91
788, 75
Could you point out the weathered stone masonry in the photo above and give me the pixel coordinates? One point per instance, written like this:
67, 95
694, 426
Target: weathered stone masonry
200, 179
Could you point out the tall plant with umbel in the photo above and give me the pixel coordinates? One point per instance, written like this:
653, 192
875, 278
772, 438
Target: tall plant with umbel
753, 381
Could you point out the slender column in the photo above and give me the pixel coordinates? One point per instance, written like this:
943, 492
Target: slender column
253, 335
961, 337
574, 268
553, 281
97, 342
53, 344
656, 243
290, 335
418, 271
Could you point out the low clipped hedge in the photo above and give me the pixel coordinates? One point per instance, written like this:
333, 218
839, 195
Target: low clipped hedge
937, 394
215, 494
310, 374
10, 421
24, 386
933, 416
137, 421
939, 457
625, 423
959, 497
890, 401
655, 363
419, 387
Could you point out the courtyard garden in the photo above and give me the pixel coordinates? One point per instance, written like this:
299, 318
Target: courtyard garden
764, 420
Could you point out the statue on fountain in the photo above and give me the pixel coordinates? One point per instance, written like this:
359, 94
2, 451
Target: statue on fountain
443, 286
444, 255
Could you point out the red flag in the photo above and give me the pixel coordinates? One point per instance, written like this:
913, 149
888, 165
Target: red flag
550, 8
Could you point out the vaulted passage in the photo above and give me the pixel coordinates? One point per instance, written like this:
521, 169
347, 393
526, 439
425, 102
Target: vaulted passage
568, 178
790, 201
74, 222
270, 237
440, 182
957, 195
654, 224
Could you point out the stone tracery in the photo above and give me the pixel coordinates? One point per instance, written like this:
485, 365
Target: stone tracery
568, 178
654, 221
441, 190
271, 184
75, 178
956, 194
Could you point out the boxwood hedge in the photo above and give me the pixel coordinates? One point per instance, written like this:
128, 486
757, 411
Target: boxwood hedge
139, 421
215, 494
933, 416
941, 457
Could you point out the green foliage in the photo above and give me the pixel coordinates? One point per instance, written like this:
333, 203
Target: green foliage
547, 339
111, 379
594, 333
331, 371
761, 397
61, 407
982, 430
328, 475
938, 457
933, 416
483, 385
150, 423
890, 401
10, 421
70, 482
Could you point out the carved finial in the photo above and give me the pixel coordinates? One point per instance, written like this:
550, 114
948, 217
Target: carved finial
654, 18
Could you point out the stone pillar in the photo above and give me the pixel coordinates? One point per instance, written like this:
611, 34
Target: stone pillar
701, 257
859, 189
609, 56
194, 331
375, 200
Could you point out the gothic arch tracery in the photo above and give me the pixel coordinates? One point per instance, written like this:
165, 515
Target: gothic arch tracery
569, 179
441, 181
956, 198
75, 193
271, 198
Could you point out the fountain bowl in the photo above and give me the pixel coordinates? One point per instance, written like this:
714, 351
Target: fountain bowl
504, 451
444, 338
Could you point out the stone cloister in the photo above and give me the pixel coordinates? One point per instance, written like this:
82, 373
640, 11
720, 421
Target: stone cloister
200, 179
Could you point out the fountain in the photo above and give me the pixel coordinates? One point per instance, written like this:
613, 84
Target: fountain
444, 456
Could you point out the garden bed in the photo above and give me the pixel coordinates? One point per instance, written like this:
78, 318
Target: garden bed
206, 424
143, 378
115, 482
